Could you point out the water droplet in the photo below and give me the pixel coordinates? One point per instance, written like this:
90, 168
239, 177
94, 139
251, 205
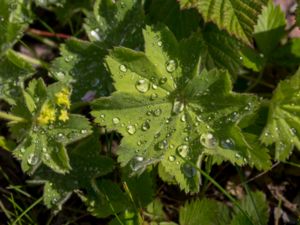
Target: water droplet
241, 58
228, 143
68, 58
172, 158
237, 155
159, 43
171, 66
293, 131
163, 145
47, 156
60, 75
261, 55
95, 35
136, 163
183, 150
32, 159
131, 129
177, 107
22, 150
123, 68
116, 120
145, 126
142, 85
154, 86
153, 96
83, 131
157, 112
163, 80
183, 118
208, 140
189, 170
44, 149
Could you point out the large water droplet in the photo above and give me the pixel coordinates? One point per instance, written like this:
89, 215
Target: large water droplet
95, 35
142, 85
159, 43
227, 143
189, 170
208, 140
137, 163
145, 126
32, 159
123, 68
171, 66
116, 120
183, 118
131, 129
183, 150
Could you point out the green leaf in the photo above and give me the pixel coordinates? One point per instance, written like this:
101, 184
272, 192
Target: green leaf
237, 17
283, 125
77, 66
181, 22
168, 112
49, 127
255, 206
203, 212
6, 144
13, 72
14, 19
105, 199
270, 28
116, 22
58, 188
156, 211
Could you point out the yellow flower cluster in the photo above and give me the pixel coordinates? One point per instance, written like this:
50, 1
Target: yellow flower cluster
62, 98
47, 114
48, 111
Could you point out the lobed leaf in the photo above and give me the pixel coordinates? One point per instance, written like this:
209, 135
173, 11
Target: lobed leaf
169, 112
283, 125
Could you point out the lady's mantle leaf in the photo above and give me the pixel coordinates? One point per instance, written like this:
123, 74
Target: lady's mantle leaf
167, 111
283, 127
58, 187
238, 17
48, 127
13, 72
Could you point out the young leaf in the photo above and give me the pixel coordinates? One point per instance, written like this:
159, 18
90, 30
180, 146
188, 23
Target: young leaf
270, 28
78, 66
283, 125
116, 22
58, 187
203, 212
167, 111
13, 72
48, 127
255, 206
237, 17
14, 18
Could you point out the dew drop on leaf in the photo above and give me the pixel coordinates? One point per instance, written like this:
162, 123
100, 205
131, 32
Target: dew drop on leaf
183, 118
145, 126
136, 163
172, 158
189, 170
157, 112
163, 145
131, 129
227, 143
142, 85
208, 140
163, 80
177, 107
116, 120
32, 159
47, 156
22, 149
153, 96
83, 131
123, 68
95, 35
171, 66
44, 149
183, 150
60, 75
159, 43
293, 131
154, 86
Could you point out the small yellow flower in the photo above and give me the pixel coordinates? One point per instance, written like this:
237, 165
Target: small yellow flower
62, 98
63, 115
47, 115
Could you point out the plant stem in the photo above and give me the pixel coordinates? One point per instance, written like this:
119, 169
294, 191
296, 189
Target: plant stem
33, 61
257, 80
10, 117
